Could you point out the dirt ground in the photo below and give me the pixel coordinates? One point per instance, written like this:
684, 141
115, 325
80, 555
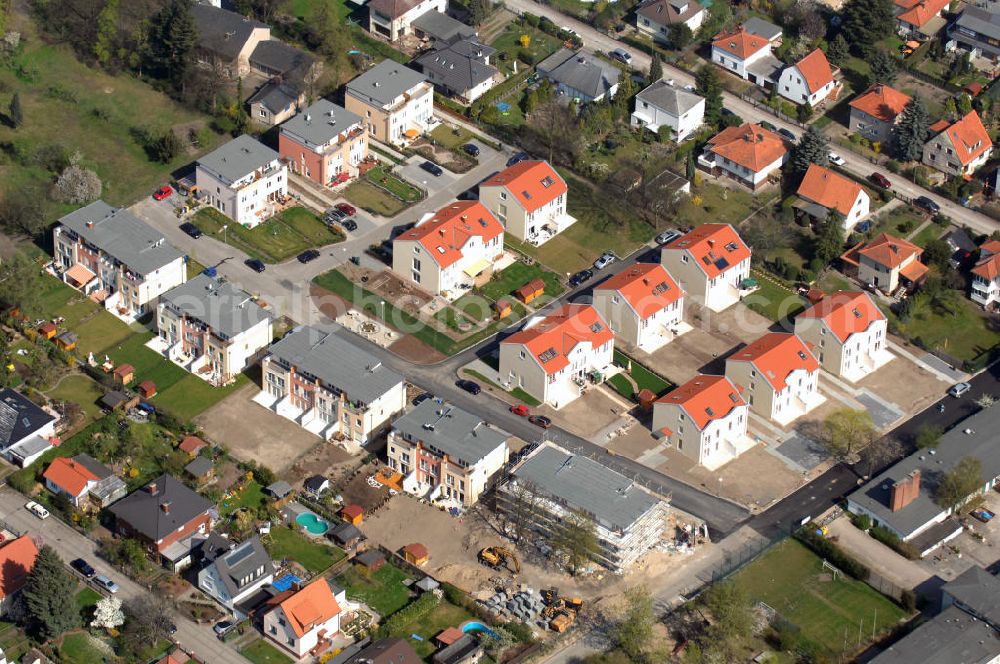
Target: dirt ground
325, 459
909, 386
588, 415
357, 491
413, 350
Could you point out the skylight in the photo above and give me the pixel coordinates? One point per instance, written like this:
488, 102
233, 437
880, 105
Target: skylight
547, 181
547, 355
596, 327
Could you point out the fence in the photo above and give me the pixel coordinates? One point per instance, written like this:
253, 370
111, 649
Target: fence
747, 97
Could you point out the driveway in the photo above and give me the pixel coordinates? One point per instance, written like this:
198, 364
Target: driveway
880, 558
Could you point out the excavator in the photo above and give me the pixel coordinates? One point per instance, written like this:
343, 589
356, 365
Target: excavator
495, 556
561, 612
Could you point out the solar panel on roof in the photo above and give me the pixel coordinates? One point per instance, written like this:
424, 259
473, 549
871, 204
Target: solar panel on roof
239, 555
721, 263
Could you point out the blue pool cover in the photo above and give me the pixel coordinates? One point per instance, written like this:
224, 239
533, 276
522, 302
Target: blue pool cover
285, 582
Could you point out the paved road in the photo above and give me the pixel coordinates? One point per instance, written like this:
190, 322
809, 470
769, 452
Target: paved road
69, 544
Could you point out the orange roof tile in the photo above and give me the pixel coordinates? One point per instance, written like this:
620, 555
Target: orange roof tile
889, 250
705, 398
445, 234
449, 635
882, 102
914, 271
192, 444
647, 287
68, 475
918, 12
740, 43
551, 339
416, 549
16, 560
990, 247
313, 605
969, 137
834, 192
715, 248
815, 70
988, 268
845, 313
938, 126
533, 183
124, 370
749, 145
176, 657
776, 355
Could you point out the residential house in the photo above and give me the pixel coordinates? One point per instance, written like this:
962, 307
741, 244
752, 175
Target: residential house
466, 649
664, 105
748, 154
920, 18
176, 656
777, 375
823, 191
808, 81
643, 306
580, 76
555, 356
116, 258
552, 484
963, 248
847, 333
307, 621
711, 264
83, 479
226, 39
275, 102
393, 19
529, 199
211, 328
451, 250
885, 262
875, 112
293, 73
316, 485
746, 52
446, 453
976, 592
950, 636
705, 419
244, 180
17, 558
460, 68
394, 650
437, 27
986, 275
329, 386
324, 143
656, 17
977, 30
236, 573
396, 102
27, 431
959, 148
168, 518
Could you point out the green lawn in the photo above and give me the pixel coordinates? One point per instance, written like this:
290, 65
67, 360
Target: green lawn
518, 274
643, 377
87, 598
926, 234
382, 176
442, 616
382, 590
79, 389
191, 396
13, 640
370, 198
960, 331
718, 205
252, 496
525, 398
278, 239
262, 652
79, 648
100, 333
451, 136
790, 578
539, 47
290, 543
57, 299
773, 301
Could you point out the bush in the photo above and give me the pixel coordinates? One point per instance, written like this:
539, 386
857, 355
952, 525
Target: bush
833, 553
892, 166
454, 594
816, 265
861, 521
520, 632
792, 272
77, 185
526, 56
908, 600
891, 540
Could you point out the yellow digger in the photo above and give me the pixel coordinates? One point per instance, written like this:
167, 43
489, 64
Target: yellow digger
495, 556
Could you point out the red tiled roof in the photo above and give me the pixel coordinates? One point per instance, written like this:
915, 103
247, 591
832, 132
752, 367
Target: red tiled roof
416, 549
845, 313
446, 233
176, 657
831, 190
914, 271
553, 337
533, 183
352, 511
448, 636
714, 247
882, 102
815, 69
990, 247
16, 560
969, 137
739, 43
313, 605
192, 444
919, 12
775, 355
124, 370
889, 251
68, 475
705, 398
988, 268
749, 145
647, 287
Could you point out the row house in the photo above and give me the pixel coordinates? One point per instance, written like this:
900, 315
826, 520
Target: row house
329, 386
529, 199
554, 357
324, 143
116, 258
394, 101
643, 306
656, 17
808, 81
847, 332
664, 105
986, 275
959, 148
748, 154
876, 111
822, 191
711, 264
305, 619
244, 180
977, 30
778, 376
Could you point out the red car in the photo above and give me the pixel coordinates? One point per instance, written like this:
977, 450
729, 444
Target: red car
880, 180
520, 409
347, 209
163, 192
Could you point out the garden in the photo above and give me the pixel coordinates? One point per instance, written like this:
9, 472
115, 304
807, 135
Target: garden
382, 193
262, 652
283, 236
382, 590
288, 543
636, 378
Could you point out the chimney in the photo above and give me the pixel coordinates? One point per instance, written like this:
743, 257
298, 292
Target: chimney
153, 489
904, 491
165, 506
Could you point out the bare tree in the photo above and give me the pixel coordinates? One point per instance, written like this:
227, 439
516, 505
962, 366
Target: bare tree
554, 124
882, 452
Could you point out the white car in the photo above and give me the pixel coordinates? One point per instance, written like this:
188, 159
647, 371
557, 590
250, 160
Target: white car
958, 389
36, 509
836, 159
604, 260
569, 30
622, 56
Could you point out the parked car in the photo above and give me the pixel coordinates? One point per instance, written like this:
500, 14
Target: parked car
349, 225
958, 389
83, 567
520, 410
517, 158
191, 229
222, 627
927, 204
767, 125
668, 236
880, 180
469, 386
604, 260
471, 149
104, 582
163, 192
569, 30
36, 509
346, 208
335, 214
836, 159
255, 264
420, 398
580, 277
787, 134
307, 256
432, 168
983, 515
540, 421
622, 56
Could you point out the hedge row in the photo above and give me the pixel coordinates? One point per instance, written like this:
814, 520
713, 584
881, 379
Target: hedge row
412, 612
831, 552
892, 540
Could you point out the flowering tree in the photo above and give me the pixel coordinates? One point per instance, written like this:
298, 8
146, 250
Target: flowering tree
108, 614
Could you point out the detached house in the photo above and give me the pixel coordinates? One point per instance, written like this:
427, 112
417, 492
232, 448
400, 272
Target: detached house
920, 18
555, 356
748, 154
777, 375
115, 258
235, 573
823, 191
656, 17
305, 621
396, 102
243, 179
663, 104
324, 142
875, 111
446, 453
329, 386
460, 68
808, 81
529, 199
847, 333
746, 52
986, 275
27, 431
711, 264
226, 39
84, 479
959, 148
643, 306
392, 19
885, 262
450, 251
706, 419
17, 558
580, 76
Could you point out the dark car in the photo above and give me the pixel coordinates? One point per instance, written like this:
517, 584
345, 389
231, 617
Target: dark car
255, 264
191, 229
83, 567
767, 125
540, 421
517, 158
347, 209
469, 386
349, 225
471, 149
580, 277
308, 255
927, 204
432, 168
787, 134
880, 180
420, 398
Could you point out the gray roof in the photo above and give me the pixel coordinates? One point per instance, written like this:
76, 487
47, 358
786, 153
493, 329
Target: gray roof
221, 31
953, 637
320, 123
279, 489
448, 429
121, 234
337, 362
278, 58
199, 467
369, 557
586, 485
670, 99
384, 82
954, 446
465, 649
93, 465
19, 417
442, 27
237, 158
768, 67
345, 532
459, 66
156, 515
758, 26
217, 303
276, 95
386, 651
978, 592
580, 71
247, 561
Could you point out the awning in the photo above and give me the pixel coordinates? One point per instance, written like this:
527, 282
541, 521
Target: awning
80, 274
411, 133
477, 267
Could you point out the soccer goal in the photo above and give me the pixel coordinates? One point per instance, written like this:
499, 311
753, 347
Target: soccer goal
836, 573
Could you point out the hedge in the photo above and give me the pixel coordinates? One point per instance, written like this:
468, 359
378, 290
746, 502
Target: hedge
892, 540
412, 612
831, 552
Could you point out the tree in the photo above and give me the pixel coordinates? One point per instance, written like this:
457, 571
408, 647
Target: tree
576, 539
884, 66
172, 38
108, 614
964, 106
20, 283
865, 22
50, 595
938, 253
913, 130
808, 21
829, 237
167, 146
689, 168
959, 483
555, 126
107, 33
655, 69
929, 435
846, 432
15, 111
813, 148
77, 185
804, 112
707, 84
633, 630
147, 621
838, 51
882, 452
986, 401
479, 10
680, 36
731, 609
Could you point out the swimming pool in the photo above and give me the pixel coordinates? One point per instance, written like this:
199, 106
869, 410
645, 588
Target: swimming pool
312, 523
476, 626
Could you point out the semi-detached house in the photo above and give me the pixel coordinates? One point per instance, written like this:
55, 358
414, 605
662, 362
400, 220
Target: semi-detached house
847, 333
748, 154
244, 180
236, 572
977, 30
643, 306
395, 102
529, 199
823, 191
746, 52
920, 18
460, 68
986, 275
959, 148
324, 143
392, 19
657, 17
711, 264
